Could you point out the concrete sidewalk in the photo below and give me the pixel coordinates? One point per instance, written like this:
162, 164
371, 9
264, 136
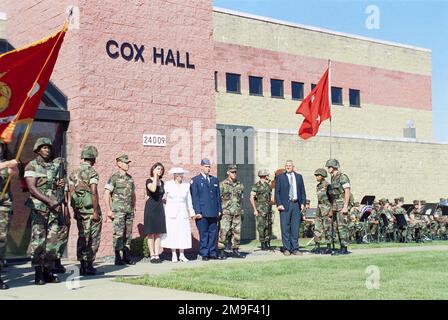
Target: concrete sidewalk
20, 278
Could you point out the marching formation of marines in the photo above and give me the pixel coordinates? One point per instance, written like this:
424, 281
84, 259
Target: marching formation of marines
338, 218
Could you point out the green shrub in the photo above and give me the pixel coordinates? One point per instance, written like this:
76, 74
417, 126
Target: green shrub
139, 247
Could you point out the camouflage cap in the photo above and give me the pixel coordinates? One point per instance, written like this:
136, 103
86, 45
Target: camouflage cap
357, 204
321, 172
415, 202
263, 173
232, 167
422, 202
401, 199
40, 142
442, 199
89, 152
383, 200
308, 201
123, 158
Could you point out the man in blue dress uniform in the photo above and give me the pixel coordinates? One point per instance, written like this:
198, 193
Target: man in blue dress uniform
206, 199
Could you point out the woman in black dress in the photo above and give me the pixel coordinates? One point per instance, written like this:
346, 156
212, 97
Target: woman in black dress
154, 221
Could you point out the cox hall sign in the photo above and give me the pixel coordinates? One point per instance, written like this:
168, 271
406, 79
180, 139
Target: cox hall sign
136, 53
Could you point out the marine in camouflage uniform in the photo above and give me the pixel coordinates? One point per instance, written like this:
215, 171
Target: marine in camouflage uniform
260, 198
415, 223
120, 190
402, 230
232, 212
358, 226
86, 209
40, 175
322, 224
5, 208
374, 221
341, 204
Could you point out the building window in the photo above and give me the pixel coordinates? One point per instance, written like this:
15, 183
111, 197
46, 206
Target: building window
276, 88
255, 86
354, 96
336, 95
233, 82
297, 90
313, 85
216, 81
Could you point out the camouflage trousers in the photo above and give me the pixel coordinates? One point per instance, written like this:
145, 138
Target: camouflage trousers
62, 240
122, 230
5, 223
322, 225
264, 224
89, 236
343, 232
229, 227
44, 238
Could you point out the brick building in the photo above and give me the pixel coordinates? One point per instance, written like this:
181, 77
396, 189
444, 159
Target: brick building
213, 80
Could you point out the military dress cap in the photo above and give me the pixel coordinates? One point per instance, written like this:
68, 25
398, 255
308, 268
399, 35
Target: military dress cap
232, 167
321, 172
205, 162
263, 173
123, 158
89, 152
333, 163
40, 142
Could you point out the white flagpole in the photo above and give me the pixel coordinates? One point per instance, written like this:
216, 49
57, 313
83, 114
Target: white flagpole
329, 99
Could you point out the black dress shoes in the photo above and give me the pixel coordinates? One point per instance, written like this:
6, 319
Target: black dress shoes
206, 258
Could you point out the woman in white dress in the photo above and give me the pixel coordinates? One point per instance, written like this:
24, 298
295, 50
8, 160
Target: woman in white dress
178, 212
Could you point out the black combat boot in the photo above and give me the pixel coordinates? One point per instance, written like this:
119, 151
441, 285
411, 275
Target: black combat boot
3, 286
344, 250
264, 246
316, 248
39, 276
82, 269
237, 254
328, 249
127, 256
50, 277
90, 270
58, 267
221, 254
118, 260
268, 245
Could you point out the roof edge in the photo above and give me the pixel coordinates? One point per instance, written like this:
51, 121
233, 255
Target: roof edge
322, 30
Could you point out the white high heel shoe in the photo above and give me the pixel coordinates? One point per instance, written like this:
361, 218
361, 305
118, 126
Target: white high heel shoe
183, 259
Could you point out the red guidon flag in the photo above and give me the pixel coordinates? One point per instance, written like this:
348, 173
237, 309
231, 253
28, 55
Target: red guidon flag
315, 108
24, 75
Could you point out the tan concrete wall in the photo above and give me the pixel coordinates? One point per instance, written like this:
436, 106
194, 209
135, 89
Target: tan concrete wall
372, 120
2, 26
277, 37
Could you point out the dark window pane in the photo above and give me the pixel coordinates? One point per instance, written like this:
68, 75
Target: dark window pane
355, 99
233, 82
313, 85
255, 85
336, 95
216, 81
276, 88
297, 90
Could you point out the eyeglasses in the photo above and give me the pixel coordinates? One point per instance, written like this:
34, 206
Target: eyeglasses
232, 171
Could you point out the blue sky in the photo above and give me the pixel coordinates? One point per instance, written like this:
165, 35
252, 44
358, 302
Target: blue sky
413, 22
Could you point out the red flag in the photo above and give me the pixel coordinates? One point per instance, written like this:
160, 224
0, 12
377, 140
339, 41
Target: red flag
315, 108
24, 75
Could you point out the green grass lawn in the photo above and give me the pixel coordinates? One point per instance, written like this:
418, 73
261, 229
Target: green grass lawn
255, 244
413, 275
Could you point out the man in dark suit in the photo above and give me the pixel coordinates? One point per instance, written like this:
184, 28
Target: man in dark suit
290, 198
206, 199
